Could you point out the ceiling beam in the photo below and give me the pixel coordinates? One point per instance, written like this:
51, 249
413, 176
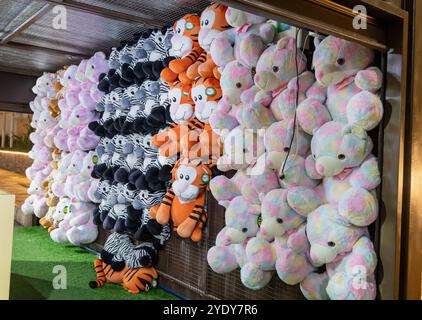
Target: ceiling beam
38, 49
25, 24
140, 19
24, 72
15, 107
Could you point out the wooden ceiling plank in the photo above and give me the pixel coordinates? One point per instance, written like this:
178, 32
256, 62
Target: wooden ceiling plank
25, 24
143, 20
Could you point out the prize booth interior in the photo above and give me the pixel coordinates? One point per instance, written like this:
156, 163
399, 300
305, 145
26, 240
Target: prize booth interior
187, 267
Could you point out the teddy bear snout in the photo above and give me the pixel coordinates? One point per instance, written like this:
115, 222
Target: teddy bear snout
328, 166
235, 235
266, 81
321, 255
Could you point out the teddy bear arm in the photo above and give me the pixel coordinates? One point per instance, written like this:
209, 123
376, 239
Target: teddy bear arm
79, 220
369, 79
358, 206
222, 48
367, 176
298, 242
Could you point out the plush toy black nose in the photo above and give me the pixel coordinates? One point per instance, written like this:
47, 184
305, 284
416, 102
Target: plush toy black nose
340, 61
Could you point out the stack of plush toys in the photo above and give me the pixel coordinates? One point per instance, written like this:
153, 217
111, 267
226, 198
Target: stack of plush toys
44, 153
66, 189
72, 182
175, 108
133, 177
304, 191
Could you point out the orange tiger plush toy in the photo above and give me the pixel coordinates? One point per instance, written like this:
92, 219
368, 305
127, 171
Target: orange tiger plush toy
185, 45
184, 204
133, 280
206, 92
213, 21
178, 139
181, 103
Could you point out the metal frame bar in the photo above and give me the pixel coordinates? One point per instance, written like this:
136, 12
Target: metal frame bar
25, 24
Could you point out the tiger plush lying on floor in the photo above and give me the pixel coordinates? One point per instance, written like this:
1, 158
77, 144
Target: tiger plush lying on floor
133, 280
124, 263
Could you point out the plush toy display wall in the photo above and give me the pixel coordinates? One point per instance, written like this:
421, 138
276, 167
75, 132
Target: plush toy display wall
135, 141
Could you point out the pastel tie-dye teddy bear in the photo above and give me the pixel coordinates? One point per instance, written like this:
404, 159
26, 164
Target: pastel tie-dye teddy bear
241, 42
242, 222
344, 246
281, 242
341, 157
344, 68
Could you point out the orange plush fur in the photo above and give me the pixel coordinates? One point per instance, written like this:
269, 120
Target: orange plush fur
178, 67
184, 204
132, 280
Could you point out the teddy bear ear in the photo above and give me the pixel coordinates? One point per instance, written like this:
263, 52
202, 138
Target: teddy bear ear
355, 130
283, 43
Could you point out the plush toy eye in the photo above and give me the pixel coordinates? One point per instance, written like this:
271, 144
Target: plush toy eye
340, 61
244, 230
173, 99
238, 85
160, 39
178, 30
341, 156
313, 156
275, 69
286, 149
77, 116
92, 67
279, 220
331, 244
187, 177
189, 25
200, 97
206, 22
282, 177
195, 99
181, 176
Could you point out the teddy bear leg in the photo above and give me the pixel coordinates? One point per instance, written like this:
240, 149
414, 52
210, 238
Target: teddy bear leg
314, 286
222, 259
292, 267
359, 206
254, 277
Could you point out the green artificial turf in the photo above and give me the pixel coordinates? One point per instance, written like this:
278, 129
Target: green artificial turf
34, 257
